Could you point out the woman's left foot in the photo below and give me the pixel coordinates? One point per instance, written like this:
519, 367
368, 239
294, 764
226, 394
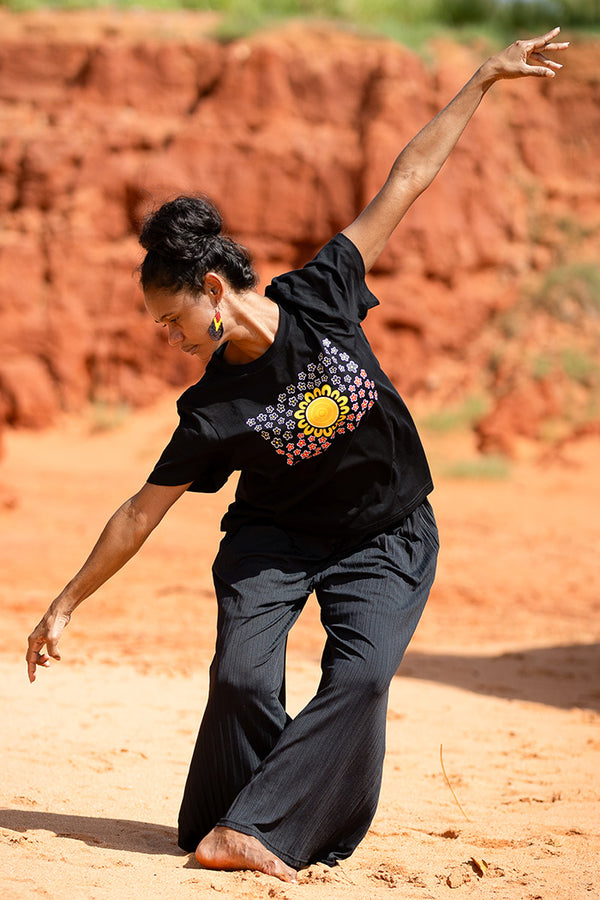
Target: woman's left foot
224, 848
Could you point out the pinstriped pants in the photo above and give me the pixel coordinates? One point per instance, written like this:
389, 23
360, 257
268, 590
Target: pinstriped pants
307, 788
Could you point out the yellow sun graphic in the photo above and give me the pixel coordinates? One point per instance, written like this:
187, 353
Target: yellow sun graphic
321, 410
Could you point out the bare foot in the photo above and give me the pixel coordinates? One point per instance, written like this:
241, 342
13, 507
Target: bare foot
224, 848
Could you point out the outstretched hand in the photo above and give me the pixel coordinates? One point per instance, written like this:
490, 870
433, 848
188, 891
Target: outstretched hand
526, 58
46, 634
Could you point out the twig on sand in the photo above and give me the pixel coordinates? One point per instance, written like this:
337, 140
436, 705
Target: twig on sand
450, 786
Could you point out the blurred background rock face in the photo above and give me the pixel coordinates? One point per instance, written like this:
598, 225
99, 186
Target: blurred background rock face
490, 288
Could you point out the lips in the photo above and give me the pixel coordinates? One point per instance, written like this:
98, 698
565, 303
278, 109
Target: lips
190, 349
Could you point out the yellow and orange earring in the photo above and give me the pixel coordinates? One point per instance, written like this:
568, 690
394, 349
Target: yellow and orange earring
215, 329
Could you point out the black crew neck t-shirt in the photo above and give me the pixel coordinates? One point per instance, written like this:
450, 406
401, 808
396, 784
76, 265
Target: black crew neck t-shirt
325, 445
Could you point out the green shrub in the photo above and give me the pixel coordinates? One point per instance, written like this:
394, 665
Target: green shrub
493, 467
105, 416
570, 290
457, 417
541, 366
397, 18
579, 366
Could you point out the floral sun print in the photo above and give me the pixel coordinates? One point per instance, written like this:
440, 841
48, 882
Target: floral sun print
328, 399
321, 410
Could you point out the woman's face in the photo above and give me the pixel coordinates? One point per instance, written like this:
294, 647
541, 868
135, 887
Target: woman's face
186, 317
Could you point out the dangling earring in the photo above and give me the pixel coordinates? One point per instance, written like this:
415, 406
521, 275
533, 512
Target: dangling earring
215, 329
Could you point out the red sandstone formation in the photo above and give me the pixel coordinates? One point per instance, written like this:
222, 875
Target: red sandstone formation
290, 132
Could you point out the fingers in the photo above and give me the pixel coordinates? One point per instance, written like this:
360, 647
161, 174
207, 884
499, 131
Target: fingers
548, 67
35, 657
540, 57
544, 42
52, 648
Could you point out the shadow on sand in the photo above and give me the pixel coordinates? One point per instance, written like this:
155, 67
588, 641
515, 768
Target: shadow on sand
116, 834
564, 677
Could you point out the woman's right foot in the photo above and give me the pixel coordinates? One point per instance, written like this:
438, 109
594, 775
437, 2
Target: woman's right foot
224, 848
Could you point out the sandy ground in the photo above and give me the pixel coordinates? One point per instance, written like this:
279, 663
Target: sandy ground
503, 675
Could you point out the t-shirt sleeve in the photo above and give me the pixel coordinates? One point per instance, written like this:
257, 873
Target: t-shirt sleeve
333, 283
194, 454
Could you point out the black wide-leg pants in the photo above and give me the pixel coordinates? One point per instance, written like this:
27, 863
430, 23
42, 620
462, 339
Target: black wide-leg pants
306, 787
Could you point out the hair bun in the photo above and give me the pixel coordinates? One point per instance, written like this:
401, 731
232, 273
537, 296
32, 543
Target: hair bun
184, 242
181, 228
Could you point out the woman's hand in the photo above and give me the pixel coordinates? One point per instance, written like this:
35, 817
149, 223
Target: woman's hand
47, 633
525, 58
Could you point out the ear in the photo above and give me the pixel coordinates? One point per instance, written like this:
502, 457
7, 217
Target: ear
214, 287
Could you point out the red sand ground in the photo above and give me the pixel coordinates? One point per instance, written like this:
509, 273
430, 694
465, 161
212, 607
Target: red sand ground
503, 673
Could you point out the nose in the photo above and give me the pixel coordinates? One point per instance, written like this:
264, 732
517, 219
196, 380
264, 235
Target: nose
174, 334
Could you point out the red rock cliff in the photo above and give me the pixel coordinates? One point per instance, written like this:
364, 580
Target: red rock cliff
290, 133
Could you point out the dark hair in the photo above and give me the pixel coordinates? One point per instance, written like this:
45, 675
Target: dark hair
183, 241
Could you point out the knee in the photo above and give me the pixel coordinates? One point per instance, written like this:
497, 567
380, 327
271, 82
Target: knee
242, 683
364, 682
370, 686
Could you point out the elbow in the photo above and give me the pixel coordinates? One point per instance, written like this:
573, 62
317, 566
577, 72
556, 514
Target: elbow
412, 178
136, 520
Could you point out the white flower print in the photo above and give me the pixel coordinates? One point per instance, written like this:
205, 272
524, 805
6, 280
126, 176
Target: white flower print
328, 399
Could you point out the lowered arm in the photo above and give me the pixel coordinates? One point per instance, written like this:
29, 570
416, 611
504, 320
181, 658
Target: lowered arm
122, 537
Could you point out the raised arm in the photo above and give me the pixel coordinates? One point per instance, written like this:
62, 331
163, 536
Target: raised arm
122, 537
420, 161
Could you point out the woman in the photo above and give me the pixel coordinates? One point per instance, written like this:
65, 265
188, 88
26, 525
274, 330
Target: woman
332, 498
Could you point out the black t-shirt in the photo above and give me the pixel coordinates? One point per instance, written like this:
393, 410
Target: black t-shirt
325, 445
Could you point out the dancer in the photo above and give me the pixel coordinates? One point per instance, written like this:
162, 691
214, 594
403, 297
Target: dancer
332, 498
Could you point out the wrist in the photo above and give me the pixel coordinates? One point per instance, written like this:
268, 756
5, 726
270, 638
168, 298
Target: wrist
64, 605
487, 74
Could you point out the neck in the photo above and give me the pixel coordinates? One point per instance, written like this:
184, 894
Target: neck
254, 320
